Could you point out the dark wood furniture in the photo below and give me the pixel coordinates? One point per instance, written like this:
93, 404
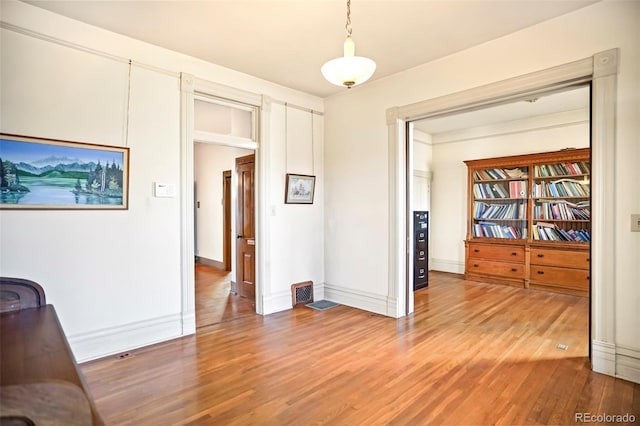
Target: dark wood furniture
18, 293
525, 214
40, 380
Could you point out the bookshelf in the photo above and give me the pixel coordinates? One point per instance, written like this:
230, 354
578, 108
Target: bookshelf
529, 221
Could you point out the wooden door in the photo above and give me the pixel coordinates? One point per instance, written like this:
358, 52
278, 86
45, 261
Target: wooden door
245, 228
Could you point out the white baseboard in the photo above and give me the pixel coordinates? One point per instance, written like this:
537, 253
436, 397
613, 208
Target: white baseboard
276, 302
615, 360
188, 323
110, 341
446, 265
357, 299
628, 364
603, 357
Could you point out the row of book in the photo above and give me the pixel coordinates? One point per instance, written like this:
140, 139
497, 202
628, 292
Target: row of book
499, 211
562, 210
562, 169
494, 230
498, 174
550, 232
514, 189
561, 188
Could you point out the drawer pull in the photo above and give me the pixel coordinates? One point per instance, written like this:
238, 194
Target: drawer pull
476, 250
541, 272
588, 259
514, 270
540, 255
588, 277
475, 265
514, 254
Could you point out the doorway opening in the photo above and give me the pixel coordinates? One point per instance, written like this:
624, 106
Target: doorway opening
600, 70
219, 213
438, 146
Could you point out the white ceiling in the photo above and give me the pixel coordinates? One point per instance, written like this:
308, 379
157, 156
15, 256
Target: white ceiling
569, 99
287, 41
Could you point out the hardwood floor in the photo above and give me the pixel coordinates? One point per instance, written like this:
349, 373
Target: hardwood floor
214, 303
472, 354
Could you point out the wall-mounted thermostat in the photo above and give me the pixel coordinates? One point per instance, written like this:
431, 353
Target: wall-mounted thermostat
164, 190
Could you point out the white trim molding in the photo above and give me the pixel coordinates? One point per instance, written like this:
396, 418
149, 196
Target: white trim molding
627, 363
446, 265
187, 226
357, 299
118, 339
601, 70
192, 88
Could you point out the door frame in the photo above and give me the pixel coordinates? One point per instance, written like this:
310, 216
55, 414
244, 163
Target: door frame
226, 219
601, 70
190, 89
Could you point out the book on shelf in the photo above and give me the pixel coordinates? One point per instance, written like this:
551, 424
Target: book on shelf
494, 230
500, 174
551, 232
562, 210
518, 189
562, 169
561, 188
512, 210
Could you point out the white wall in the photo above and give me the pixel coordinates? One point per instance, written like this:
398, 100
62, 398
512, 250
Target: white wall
297, 231
356, 138
209, 163
114, 276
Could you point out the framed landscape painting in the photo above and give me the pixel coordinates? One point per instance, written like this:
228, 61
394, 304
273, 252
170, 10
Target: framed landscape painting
40, 173
299, 189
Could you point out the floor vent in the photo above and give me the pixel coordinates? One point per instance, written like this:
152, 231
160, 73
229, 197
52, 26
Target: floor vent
302, 293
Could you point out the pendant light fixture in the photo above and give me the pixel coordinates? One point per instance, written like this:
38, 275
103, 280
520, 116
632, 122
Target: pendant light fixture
348, 70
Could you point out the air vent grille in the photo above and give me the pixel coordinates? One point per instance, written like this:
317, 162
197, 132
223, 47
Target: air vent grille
302, 293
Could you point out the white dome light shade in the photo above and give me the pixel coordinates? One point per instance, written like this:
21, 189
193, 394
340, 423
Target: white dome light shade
348, 70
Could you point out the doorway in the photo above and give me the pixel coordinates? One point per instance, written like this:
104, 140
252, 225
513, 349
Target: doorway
601, 70
215, 271
548, 122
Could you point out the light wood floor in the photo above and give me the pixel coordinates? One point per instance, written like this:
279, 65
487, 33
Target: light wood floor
214, 303
472, 354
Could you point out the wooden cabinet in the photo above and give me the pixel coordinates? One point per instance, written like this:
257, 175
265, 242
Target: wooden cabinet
503, 263
529, 221
560, 270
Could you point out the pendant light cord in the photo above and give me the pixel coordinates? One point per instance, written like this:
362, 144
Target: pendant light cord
348, 25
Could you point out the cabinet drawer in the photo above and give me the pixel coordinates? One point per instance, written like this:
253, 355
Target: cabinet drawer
500, 269
496, 252
569, 259
561, 277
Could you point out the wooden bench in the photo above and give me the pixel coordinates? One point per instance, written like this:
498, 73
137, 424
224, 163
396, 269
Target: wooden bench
41, 383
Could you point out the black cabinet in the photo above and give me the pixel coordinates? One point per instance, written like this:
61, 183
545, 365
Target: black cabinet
420, 249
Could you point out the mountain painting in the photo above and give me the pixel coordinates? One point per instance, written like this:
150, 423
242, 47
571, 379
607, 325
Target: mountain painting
49, 174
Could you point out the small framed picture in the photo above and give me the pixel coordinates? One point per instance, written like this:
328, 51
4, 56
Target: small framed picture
299, 189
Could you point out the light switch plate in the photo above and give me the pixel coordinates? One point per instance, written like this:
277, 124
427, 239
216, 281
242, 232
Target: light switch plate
635, 223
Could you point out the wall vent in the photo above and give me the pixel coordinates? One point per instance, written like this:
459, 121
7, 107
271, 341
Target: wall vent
302, 293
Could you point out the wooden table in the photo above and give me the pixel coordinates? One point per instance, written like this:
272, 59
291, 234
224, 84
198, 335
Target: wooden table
39, 376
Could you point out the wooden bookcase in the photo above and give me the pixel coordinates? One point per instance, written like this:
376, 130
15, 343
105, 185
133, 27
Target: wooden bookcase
529, 221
